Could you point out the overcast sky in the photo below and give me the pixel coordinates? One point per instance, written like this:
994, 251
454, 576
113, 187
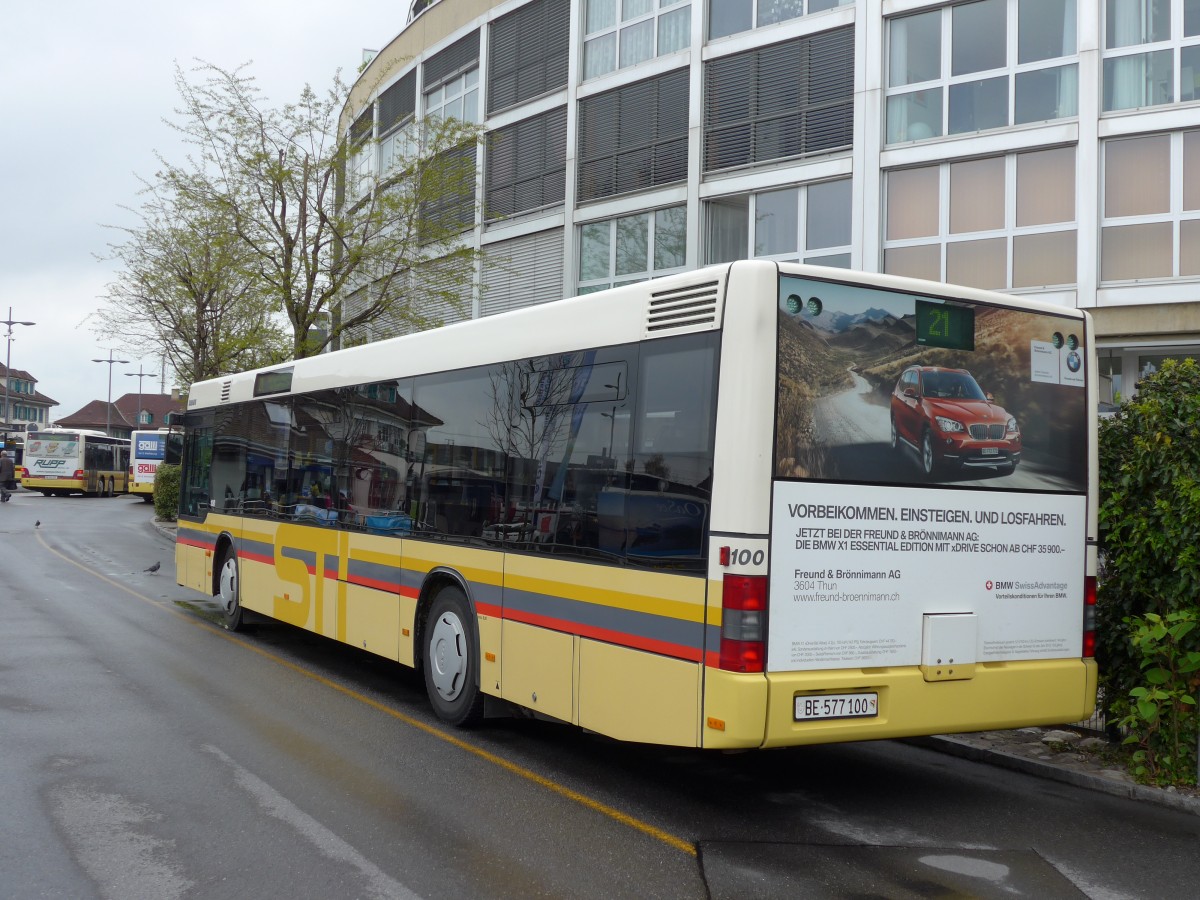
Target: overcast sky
84, 89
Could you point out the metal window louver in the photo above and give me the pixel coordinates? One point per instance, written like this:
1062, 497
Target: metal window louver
689, 308
528, 53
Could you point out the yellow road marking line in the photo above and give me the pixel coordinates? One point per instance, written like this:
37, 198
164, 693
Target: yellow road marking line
520, 771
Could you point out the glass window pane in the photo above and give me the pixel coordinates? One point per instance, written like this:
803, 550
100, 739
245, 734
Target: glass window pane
1047, 94
978, 36
728, 229
633, 251
772, 11
1040, 260
1046, 187
1129, 22
1045, 29
670, 237
912, 203
632, 8
829, 214
1191, 170
914, 262
776, 222
470, 112
977, 195
594, 251
915, 49
836, 261
599, 55
1143, 79
674, 30
637, 43
978, 105
453, 109
1189, 73
728, 17
1135, 251
1191, 18
600, 14
1137, 176
981, 264
1189, 247
914, 116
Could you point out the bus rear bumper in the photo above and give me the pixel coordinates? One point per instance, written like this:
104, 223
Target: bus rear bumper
999, 695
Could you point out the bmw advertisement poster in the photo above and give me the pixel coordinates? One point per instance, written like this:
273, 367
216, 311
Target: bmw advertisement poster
930, 466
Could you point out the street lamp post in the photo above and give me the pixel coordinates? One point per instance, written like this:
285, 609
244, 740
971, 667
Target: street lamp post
139, 375
10, 322
108, 408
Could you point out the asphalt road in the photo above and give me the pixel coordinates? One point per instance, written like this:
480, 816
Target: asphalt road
144, 752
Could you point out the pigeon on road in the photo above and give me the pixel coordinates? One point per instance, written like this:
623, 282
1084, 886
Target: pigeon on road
152, 569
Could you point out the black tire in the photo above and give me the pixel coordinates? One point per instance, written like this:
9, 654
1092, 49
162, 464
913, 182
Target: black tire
928, 462
451, 660
228, 595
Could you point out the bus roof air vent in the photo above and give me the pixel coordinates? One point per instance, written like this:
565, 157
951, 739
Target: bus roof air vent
225, 387
692, 307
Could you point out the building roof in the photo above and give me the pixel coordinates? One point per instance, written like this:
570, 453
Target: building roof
37, 396
95, 415
158, 405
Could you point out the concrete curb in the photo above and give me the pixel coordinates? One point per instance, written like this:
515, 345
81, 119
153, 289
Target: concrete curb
1140, 792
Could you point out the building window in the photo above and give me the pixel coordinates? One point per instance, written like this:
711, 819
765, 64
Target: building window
452, 81
362, 154
397, 129
526, 165
961, 69
1002, 222
1150, 226
731, 16
1148, 59
528, 53
457, 98
784, 101
634, 137
620, 33
633, 248
810, 224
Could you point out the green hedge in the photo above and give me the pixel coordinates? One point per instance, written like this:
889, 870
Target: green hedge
1150, 557
166, 492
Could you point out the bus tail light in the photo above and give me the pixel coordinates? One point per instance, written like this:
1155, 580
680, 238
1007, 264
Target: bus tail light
743, 623
79, 473
1089, 616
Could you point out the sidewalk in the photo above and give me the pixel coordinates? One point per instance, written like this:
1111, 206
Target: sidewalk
1061, 755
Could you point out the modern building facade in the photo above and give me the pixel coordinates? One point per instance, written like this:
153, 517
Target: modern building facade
1048, 148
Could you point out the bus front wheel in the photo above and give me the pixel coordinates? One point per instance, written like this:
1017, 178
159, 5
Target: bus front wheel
227, 591
451, 660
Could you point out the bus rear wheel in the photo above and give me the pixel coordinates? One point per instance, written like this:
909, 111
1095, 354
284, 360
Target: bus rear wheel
228, 592
451, 660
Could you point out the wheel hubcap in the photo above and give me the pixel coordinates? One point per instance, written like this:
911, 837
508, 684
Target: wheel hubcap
229, 585
448, 656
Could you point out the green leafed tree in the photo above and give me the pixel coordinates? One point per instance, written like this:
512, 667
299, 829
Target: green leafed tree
317, 218
184, 290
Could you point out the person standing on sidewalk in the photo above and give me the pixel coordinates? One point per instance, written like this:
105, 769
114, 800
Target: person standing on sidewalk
7, 476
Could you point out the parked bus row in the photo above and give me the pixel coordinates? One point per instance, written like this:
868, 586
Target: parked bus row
62, 461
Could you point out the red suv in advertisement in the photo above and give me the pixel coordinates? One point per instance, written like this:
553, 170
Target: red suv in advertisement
947, 418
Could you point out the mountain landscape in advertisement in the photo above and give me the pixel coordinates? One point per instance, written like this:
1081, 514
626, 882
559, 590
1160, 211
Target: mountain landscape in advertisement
886, 387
